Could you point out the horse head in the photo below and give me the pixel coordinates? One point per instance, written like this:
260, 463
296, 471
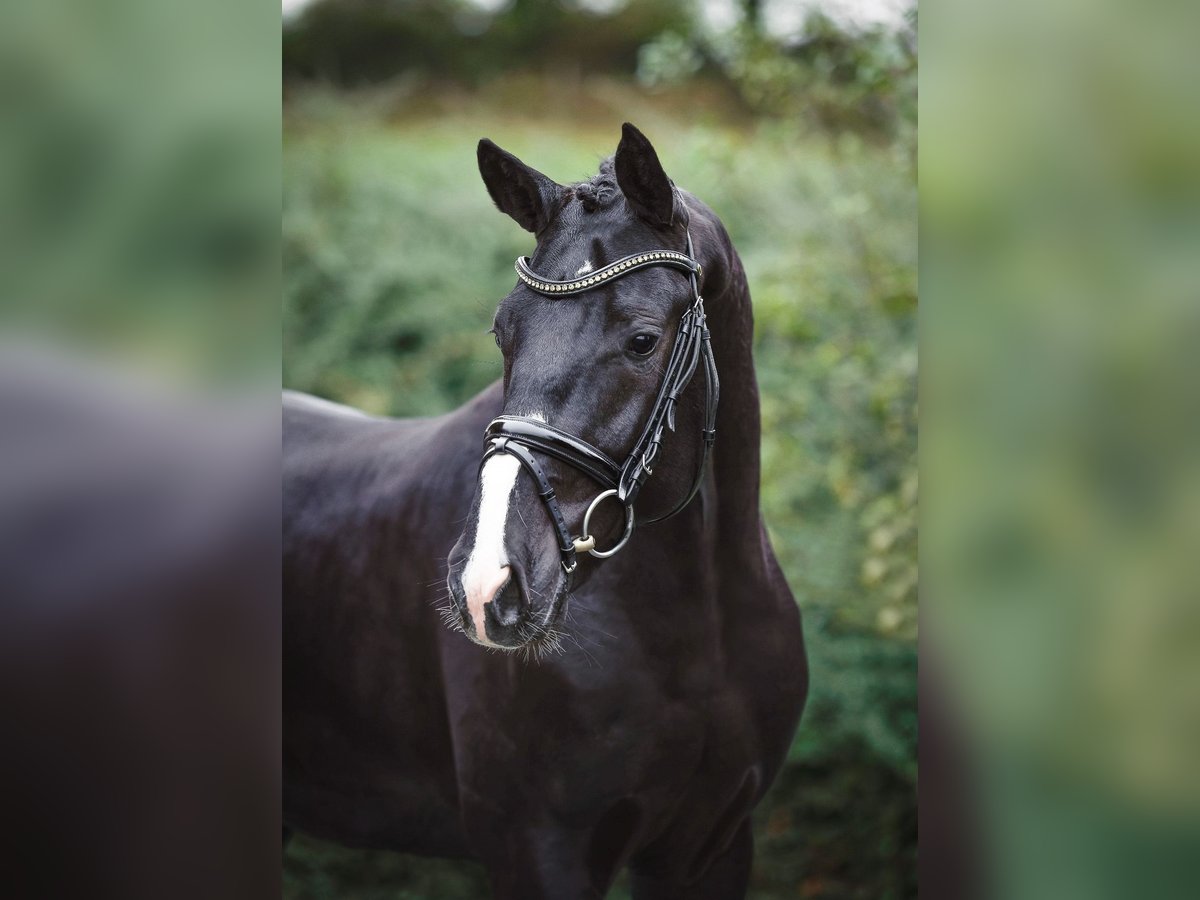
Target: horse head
600, 337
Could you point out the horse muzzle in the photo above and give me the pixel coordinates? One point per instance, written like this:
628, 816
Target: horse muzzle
498, 609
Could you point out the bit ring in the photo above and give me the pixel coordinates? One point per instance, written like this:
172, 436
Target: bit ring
587, 528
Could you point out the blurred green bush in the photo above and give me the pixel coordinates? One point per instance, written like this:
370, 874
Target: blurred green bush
139, 184
835, 74
356, 42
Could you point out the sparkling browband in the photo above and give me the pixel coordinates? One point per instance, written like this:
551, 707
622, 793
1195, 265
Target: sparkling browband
670, 258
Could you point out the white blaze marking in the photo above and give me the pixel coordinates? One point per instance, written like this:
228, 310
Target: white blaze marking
488, 557
487, 567
584, 269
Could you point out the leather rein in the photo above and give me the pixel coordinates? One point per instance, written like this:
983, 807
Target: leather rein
523, 437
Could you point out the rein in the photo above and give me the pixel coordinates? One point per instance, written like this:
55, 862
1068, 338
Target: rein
522, 437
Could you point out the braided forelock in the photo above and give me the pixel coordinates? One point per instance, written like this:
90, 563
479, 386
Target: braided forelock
600, 190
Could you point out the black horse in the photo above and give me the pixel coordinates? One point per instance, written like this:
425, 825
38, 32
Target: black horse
648, 738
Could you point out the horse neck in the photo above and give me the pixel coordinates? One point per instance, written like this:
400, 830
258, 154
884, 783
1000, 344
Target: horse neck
736, 462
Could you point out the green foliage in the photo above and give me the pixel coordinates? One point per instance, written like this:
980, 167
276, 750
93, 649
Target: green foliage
355, 42
832, 76
317, 871
394, 260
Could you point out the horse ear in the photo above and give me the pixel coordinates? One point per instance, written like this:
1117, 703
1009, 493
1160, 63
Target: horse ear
517, 190
645, 185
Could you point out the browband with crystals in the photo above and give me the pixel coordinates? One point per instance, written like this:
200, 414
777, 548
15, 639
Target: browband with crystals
671, 258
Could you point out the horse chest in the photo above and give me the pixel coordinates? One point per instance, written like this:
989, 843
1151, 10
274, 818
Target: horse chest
569, 742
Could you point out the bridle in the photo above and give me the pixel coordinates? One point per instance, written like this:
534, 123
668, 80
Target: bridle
521, 437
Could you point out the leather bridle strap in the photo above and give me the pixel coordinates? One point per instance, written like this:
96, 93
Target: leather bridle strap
519, 435
566, 546
549, 440
693, 344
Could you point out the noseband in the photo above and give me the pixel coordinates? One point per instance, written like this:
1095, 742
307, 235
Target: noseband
522, 437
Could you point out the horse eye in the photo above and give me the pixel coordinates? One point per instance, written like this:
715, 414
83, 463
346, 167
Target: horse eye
641, 344
496, 335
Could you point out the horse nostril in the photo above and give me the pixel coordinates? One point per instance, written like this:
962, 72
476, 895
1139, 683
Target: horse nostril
505, 608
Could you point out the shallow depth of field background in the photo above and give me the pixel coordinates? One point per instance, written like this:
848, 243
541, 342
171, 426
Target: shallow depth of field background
800, 132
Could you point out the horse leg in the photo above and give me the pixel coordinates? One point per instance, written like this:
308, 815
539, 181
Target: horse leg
543, 877
552, 864
727, 878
